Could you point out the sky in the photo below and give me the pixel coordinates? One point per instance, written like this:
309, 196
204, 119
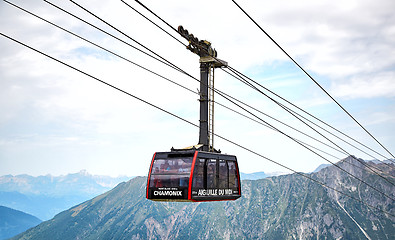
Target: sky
56, 120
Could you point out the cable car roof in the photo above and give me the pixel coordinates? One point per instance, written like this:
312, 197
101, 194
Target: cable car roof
197, 147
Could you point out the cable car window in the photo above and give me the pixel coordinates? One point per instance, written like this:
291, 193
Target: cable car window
171, 172
198, 177
223, 174
172, 166
233, 181
211, 173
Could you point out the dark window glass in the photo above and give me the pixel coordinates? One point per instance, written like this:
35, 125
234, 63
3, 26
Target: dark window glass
211, 173
198, 177
233, 183
223, 174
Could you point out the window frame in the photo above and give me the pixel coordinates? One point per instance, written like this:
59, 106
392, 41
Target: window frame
218, 179
167, 178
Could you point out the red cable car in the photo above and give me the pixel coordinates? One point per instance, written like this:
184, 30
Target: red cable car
199, 173
193, 175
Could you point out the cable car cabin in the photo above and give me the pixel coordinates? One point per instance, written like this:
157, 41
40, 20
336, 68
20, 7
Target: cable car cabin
191, 175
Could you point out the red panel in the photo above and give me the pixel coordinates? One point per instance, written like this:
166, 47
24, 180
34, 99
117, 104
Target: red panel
191, 176
149, 174
238, 177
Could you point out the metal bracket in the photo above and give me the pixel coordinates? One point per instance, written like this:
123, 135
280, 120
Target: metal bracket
200, 47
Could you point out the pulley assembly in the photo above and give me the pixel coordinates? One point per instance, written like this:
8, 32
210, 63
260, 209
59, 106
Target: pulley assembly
200, 47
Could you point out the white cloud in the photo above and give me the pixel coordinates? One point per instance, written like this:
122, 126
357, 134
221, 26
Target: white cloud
349, 44
367, 86
336, 39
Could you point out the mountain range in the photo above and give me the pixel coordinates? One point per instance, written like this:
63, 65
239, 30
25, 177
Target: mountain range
45, 196
279, 207
13, 222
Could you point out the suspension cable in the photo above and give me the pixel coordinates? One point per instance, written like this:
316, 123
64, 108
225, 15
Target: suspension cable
144, 6
193, 124
167, 79
301, 68
245, 78
282, 106
300, 120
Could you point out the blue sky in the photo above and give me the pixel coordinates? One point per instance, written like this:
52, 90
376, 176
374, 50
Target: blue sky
58, 121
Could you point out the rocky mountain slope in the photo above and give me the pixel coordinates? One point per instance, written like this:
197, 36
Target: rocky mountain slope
282, 207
